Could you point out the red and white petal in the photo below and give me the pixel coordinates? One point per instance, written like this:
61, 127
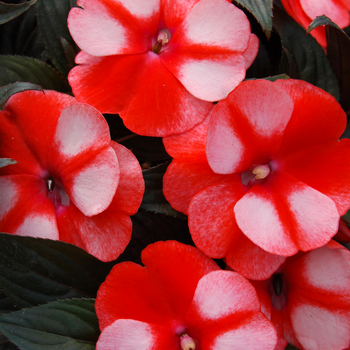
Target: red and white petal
13, 146
222, 49
319, 297
131, 186
225, 314
310, 103
337, 13
248, 126
252, 50
175, 11
257, 333
215, 234
36, 113
104, 28
92, 187
80, 129
321, 273
106, 235
190, 144
107, 83
324, 168
136, 335
177, 268
319, 328
221, 294
251, 261
24, 210
183, 180
129, 293
161, 106
284, 215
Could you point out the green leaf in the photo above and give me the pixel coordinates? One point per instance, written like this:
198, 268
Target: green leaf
52, 19
279, 76
304, 58
26, 69
7, 91
262, 11
6, 162
64, 324
153, 198
338, 53
34, 270
11, 11
148, 228
321, 21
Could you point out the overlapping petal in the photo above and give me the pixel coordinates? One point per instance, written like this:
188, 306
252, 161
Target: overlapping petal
136, 335
205, 223
209, 62
104, 28
24, 208
160, 293
247, 127
284, 215
225, 311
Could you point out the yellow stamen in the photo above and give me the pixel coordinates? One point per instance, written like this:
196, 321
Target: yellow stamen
261, 172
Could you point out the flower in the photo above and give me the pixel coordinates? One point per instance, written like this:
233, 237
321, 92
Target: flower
261, 166
308, 299
305, 11
179, 300
158, 62
71, 180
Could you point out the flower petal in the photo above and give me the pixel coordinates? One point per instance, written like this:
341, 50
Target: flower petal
135, 335
209, 62
229, 298
80, 129
251, 261
105, 235
160, 293
247, 127
131, 186
36, 113
337, 13
215, 234
284, 215
93, 186
183, 180
104, 28
165, 107
252, 50
310, 104
24, 208
178, 268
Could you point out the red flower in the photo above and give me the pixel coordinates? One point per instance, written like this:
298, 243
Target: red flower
308, 299
179, 300
71, 180
262, 166
305, 11
158, 62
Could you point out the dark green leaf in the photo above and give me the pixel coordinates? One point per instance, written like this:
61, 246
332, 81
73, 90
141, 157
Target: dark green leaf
320, 21
11, 11
25, 69
64, 324
34, 271
279, 76
153, 199
305, 58
262, 11
11, 89
52, 19
69, 52
6, 162
151, 227
338, 53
